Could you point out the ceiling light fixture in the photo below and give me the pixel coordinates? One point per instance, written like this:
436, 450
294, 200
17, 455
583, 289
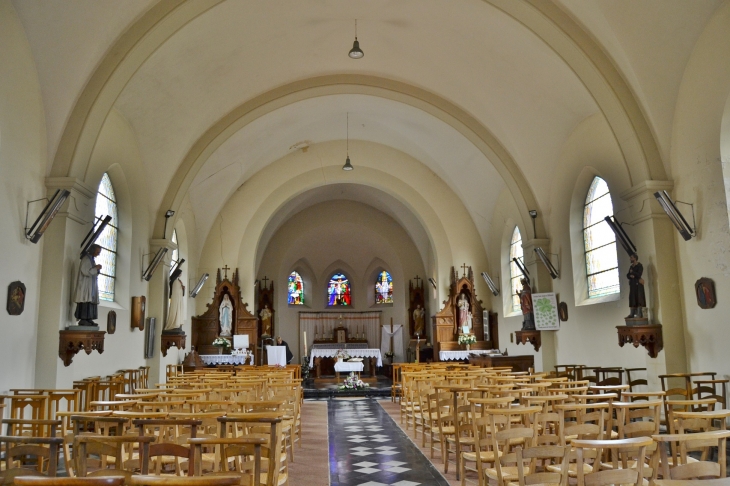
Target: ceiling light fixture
356, 52
348, 165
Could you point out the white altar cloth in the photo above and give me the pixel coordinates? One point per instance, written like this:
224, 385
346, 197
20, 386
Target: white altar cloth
348, 366
460, 354
276, 355
214, 359
355, 353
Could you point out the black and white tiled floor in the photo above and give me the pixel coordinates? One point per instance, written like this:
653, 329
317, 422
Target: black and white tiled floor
368, 449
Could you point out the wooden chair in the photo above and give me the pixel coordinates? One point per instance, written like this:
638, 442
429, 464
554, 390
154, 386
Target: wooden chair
635, 382
17, 449
686, 469
239, 447
166, 448
184, 481
621, 452
508, 434
108, 450
277, 472
547, 454
42, 481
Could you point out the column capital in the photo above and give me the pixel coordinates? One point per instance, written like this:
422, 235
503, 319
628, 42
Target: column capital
79, 207
157, 243
543, 243
642, 202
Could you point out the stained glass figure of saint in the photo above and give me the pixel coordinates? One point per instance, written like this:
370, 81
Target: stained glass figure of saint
295, 289
338, 290
384, 289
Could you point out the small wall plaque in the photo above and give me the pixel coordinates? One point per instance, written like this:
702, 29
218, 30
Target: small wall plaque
138, 312
16, 298
111, 322
705, 293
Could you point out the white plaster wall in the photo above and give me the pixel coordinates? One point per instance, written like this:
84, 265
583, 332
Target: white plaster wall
355, 238
116, 153
699, 169
22, 171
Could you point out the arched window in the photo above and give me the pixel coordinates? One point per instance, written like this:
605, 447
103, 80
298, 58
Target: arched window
600, 242
295, 289
384, 288
106, 204
175, 252
515, 251
338, 290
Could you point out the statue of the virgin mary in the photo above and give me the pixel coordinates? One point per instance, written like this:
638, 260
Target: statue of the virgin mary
226, 316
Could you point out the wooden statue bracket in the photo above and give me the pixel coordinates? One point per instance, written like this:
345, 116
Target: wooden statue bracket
532, 337
648, 336
72, 341
169, 340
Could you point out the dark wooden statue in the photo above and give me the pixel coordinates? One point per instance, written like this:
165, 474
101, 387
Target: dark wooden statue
417, 313
265, 300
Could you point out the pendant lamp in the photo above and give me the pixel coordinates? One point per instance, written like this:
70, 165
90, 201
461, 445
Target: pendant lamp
356, 52
348, 165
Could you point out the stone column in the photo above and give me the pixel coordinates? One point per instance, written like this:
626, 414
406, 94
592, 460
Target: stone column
541, 282
157, 307
61, 251
654, 236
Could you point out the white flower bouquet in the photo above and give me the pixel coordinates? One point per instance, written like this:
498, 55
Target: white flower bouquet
342, 355
352, 382
222, 343
467, 339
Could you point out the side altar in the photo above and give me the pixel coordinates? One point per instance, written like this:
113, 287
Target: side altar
227, 315
463, 315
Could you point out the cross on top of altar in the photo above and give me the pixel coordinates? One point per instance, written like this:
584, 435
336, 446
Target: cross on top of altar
225, 271
417, 279
265, 279
464, 267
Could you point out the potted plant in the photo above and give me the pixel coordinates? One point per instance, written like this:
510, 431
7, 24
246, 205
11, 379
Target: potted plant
467, 339
221, 343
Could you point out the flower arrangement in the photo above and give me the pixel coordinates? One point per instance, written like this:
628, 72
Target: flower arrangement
342, 355
222, 343
467, 339
352, 382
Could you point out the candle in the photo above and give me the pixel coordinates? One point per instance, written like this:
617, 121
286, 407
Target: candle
305, 343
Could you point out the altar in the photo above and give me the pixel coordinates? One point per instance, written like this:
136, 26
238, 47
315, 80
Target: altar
320, 351
227, 359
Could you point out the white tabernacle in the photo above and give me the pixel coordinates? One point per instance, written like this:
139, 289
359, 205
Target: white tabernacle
461, 354
214, 359
354, 353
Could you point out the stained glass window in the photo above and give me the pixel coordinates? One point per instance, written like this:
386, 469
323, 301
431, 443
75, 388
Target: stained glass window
106, 204
338, 290
295, 289
175, 252
600, 241
384, 289
515, 251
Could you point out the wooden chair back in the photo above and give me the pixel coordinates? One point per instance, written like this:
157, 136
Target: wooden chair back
681, 467
621, 452
43, 481
17, 450
92, 454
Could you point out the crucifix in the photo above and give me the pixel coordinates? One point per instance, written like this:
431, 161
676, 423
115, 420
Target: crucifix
265, 279
225, 271
417, 279
464, 267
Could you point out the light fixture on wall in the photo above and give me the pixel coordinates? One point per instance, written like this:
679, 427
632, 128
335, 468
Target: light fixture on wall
675, 215
35, 232
348, 166
621, 235
548, 264
196, 289
490, 283
356, 52
522, 268
168, 214
94, 233
432, 282
147, 275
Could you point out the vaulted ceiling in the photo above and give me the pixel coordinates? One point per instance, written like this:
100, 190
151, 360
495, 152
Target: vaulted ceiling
468, 52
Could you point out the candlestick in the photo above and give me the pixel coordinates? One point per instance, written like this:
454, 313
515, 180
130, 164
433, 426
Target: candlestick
305, 343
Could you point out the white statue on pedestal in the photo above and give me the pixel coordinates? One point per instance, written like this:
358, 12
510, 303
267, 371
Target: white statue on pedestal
226, 316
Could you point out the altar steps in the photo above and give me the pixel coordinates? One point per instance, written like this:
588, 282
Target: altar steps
328, 387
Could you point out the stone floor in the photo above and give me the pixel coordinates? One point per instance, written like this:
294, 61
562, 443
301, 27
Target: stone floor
367, 448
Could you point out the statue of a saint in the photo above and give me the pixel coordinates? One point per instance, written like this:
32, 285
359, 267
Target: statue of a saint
528, 319
637, 298
226, 316
176, 315
419, 315
463, 305
265, 316
86, 294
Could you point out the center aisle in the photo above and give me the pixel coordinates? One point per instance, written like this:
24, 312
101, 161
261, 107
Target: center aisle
367, 448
